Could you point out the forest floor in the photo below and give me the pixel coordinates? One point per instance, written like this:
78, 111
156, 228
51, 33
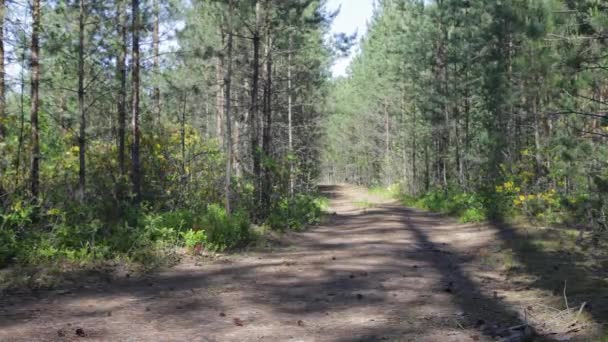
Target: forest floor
383, 272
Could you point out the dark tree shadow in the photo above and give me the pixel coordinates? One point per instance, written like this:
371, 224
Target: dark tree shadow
335, 278
552, 270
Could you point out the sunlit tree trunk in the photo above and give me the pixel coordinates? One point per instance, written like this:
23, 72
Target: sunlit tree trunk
2, 90
35, 101
254, 118
267, 127
156, 52
290, 116
136, 167
121, 71
228, 108
81, 107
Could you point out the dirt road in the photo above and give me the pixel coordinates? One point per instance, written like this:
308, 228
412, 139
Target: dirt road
375, 274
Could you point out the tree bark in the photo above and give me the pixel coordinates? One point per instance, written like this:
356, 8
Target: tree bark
81, 107
183, 135
121, 71
254, 125
156, 51
21, 137
35, 101
289, 117
228, 108
136, 167
267, 128
2, 90
220, 96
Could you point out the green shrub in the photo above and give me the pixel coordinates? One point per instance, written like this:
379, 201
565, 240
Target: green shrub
385, 192
468, 207
8, 246
224, 231
194, 238
473, 215
297, 212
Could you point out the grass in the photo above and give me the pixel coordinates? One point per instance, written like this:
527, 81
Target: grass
364, 204
389, 192
323, 203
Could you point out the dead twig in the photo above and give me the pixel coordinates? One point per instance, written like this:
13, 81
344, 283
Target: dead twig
566, 297
578, 314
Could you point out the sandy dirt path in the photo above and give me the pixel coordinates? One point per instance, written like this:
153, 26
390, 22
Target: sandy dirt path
384, 273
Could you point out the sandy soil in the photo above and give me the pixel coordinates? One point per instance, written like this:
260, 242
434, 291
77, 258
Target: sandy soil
382, 273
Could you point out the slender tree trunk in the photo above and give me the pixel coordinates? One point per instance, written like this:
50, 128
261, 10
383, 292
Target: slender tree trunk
2, 90
121, 70
537, 136
183, 136
228, 108
81, 107
35, 101
156, 51
467, 115
220, 96
387, 131
267, 129
414, 152
136, 167
289, 117
22, 110
254, 118
427, 176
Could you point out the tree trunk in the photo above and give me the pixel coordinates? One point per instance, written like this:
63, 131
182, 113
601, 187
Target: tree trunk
2, 91
183, 136
289, 117
81, 109
414, 152
156, 51
35, 101
228, 108
136, 167
121, 71
254, 126
21, 137
267, 129
219, 110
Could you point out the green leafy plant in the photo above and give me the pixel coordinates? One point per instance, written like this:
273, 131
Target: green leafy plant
224, 231
193, 238
297, 212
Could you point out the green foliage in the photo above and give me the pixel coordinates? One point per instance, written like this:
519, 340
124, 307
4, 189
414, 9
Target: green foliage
517, 130
193, 238
297, 212
182, 155
365, 204
473, 215
385, 192
468, 207
224, 231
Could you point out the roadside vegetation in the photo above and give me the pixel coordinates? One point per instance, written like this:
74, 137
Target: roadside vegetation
135, 132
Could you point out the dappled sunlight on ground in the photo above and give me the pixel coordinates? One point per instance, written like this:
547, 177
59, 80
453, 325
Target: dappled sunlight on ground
383, 273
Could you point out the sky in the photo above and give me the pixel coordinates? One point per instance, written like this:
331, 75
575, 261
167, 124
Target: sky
353, 17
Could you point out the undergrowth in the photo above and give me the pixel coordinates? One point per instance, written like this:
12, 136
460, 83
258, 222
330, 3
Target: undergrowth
297, 212
145, 234
468, 207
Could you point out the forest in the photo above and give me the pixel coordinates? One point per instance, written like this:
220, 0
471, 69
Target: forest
209, 139
479, 108
126, 126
